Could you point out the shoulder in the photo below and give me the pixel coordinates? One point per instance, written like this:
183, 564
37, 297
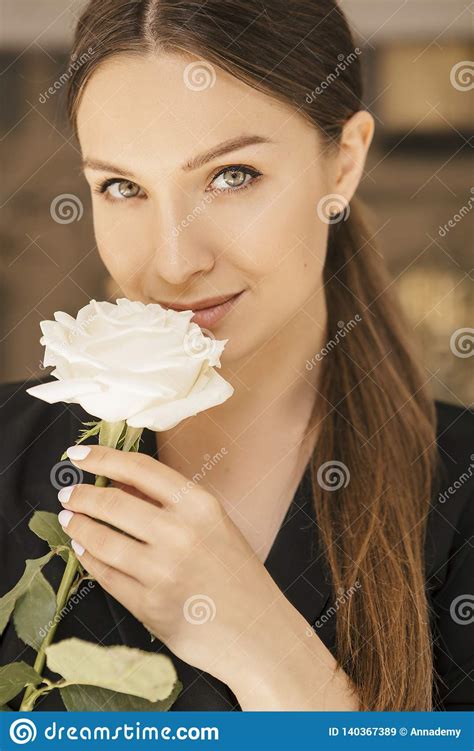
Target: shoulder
450, 557
454, 485
451, 518
455, 431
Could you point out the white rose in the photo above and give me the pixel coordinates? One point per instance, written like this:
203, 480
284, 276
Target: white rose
129, 361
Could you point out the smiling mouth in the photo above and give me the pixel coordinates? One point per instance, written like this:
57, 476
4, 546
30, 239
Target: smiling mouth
207, 304
207, 317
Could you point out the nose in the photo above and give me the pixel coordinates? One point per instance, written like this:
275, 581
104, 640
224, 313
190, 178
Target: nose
182, 241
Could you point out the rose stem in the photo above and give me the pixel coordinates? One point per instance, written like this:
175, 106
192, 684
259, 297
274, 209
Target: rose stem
109, 435
62, 597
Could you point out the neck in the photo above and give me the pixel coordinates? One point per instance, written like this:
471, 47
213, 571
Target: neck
273, 387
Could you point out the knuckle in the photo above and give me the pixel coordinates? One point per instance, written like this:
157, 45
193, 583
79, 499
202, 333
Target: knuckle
107, 576
155, 526
184, 538
178, 537
111, 500
101, 460
99, 537
119, 551
143, 461
170, 576
166, 576
77, 527
79, 496
151, 602
207, 507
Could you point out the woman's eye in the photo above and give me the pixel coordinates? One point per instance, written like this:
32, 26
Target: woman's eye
229, 180
118, 189
234, 178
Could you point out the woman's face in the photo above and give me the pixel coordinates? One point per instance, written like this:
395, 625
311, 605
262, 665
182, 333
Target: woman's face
244, 220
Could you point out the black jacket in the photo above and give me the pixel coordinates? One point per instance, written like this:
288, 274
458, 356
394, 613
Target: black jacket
33, 435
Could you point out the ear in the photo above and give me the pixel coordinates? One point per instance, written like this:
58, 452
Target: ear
354, 144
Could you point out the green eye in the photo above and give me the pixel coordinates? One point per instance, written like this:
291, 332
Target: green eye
234, 178
125, 189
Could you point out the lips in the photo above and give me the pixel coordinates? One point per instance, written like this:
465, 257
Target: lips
210, 302
208, 317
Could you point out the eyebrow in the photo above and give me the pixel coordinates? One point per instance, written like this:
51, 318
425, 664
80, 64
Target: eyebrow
194, 163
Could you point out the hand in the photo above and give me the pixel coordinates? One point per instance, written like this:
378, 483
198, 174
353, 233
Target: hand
176, 560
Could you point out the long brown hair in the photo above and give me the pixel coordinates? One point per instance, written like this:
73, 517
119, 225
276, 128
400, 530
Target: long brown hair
377, 420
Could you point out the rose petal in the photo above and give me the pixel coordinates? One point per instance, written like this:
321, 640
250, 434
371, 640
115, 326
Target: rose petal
149, 386
113, 405
62, 391
211, 390
133, 361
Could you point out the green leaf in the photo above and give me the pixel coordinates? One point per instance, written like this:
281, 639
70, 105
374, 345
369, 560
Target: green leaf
5, 708
110, 432
119, 668
8, 601
14, 677
85, 434
45, 525
34, 612
83, 698
131, 437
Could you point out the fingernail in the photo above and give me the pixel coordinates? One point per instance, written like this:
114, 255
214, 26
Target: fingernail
78, 452
65, 493
77, 547
64, 517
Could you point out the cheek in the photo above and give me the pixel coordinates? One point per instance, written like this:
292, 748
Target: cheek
286, 241
284, 251
121, 241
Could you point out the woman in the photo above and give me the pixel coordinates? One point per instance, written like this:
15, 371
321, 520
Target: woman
329, 563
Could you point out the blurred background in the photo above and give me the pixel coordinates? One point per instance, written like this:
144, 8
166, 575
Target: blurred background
418, 181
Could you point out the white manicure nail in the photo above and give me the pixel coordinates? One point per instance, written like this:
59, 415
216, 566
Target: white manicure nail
78, 452
77, 547
64, 517
65, 493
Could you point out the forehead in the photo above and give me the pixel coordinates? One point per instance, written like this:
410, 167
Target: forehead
171, 105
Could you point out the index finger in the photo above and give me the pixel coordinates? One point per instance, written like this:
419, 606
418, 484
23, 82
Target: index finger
150, 476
